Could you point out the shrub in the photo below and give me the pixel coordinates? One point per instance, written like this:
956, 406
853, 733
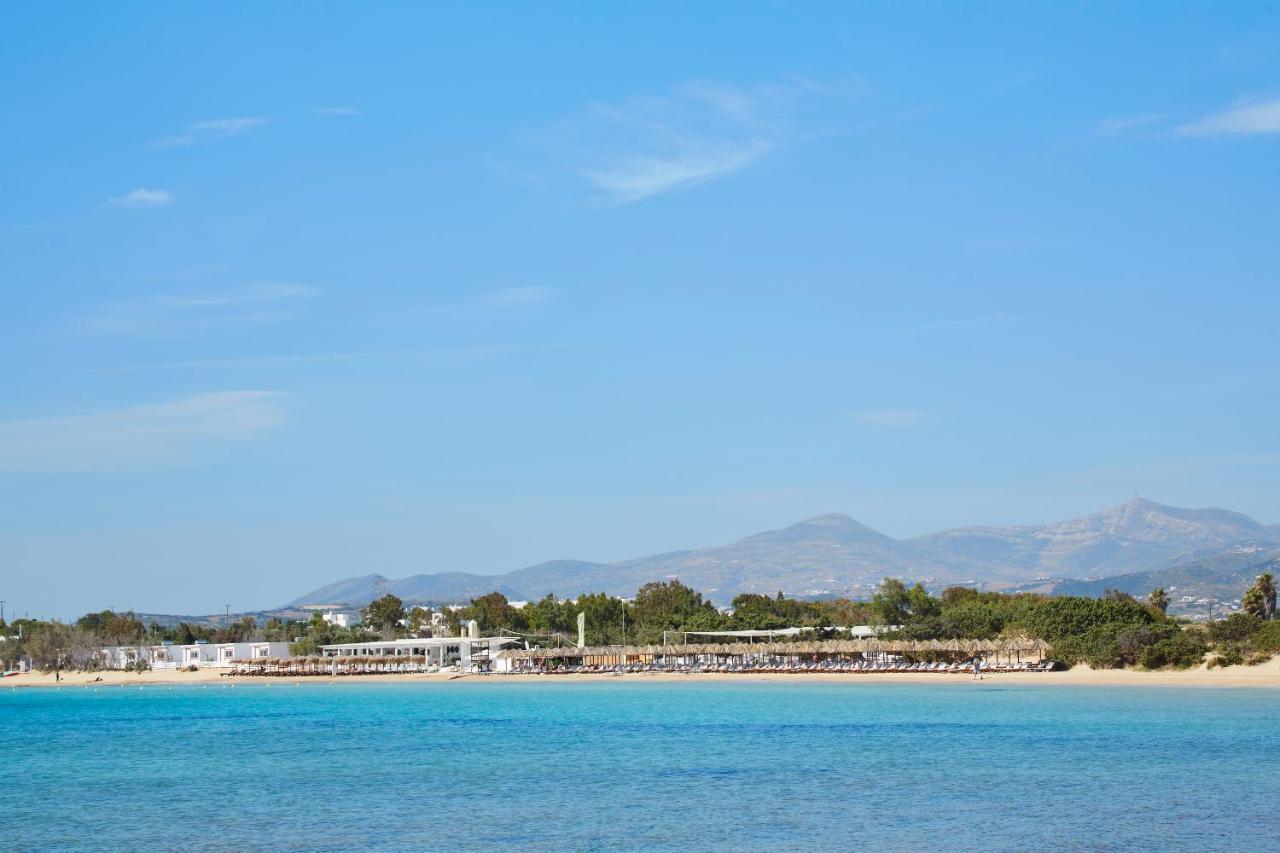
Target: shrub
1098, 647
1267, 637
1236, 628
1228, 654
1117, 644
1059, 618
1180, 650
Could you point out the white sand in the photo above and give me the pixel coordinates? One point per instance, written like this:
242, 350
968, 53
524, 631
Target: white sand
1262, 675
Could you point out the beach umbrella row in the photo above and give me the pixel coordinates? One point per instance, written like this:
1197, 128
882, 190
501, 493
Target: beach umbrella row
817, 647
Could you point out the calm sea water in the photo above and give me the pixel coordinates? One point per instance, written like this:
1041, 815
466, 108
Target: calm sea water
635, 765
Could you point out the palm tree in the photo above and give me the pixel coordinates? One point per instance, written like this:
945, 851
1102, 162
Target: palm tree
1266, 587
1253, 602
1159, 600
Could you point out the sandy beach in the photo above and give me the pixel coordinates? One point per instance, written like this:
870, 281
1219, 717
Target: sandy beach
1262, 675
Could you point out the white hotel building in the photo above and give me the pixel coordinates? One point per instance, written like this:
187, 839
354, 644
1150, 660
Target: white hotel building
200, 654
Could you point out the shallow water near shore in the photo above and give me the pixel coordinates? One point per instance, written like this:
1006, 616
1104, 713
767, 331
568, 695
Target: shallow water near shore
630, 765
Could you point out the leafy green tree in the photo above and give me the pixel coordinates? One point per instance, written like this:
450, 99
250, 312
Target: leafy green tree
1159, 600
452, 620
667, 605
894, 604
419, 620
550, 615
493, 613
889, 603
54, 646
973, 619
242, 630
843, 612
384, 614
604, 618
752, 611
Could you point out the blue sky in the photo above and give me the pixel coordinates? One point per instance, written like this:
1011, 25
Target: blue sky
296, 293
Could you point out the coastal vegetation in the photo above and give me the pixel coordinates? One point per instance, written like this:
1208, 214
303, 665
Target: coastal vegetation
1115, 630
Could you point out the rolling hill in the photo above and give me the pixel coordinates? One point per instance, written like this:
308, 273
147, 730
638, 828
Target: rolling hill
834, 554
1133, 536
1218, 577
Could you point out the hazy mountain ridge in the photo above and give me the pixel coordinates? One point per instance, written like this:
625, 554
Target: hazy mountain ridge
1131, 536
1222, 576
833, 553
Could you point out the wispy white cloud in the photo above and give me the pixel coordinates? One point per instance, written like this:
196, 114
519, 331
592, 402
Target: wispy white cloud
703, 130
213, 128
138, 436
182, 315
1118, 125
892, 418
143, 197
637, 177
1249, 117
516, 297
338, 111
227, 126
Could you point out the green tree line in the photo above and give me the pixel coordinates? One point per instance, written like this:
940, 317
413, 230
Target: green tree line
1113, 631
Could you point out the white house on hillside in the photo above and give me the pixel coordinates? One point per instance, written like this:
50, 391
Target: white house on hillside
340, 619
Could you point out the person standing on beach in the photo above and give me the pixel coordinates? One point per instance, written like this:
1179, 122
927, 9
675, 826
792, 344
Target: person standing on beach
977, 669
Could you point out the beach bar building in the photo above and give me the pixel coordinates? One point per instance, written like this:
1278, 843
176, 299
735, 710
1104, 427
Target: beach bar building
470, 653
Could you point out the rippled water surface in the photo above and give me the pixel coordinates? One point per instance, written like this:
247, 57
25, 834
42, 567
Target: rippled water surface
636, 765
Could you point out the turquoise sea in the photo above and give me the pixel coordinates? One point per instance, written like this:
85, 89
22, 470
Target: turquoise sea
646, 766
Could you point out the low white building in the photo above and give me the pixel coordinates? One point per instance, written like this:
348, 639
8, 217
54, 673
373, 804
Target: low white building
470, 653
199, 654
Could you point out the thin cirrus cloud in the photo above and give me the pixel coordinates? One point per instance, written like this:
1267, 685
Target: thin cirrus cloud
1249, 117
891, 418
134, 437
143, 197
207, 129
640, 147
196, 314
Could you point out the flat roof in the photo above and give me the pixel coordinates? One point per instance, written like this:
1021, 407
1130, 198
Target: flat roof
420, 641
868, 630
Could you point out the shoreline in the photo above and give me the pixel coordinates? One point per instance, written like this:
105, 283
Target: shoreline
1262, 675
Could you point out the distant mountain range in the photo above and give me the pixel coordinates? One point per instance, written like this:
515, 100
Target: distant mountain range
1128, 545
1221, 576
